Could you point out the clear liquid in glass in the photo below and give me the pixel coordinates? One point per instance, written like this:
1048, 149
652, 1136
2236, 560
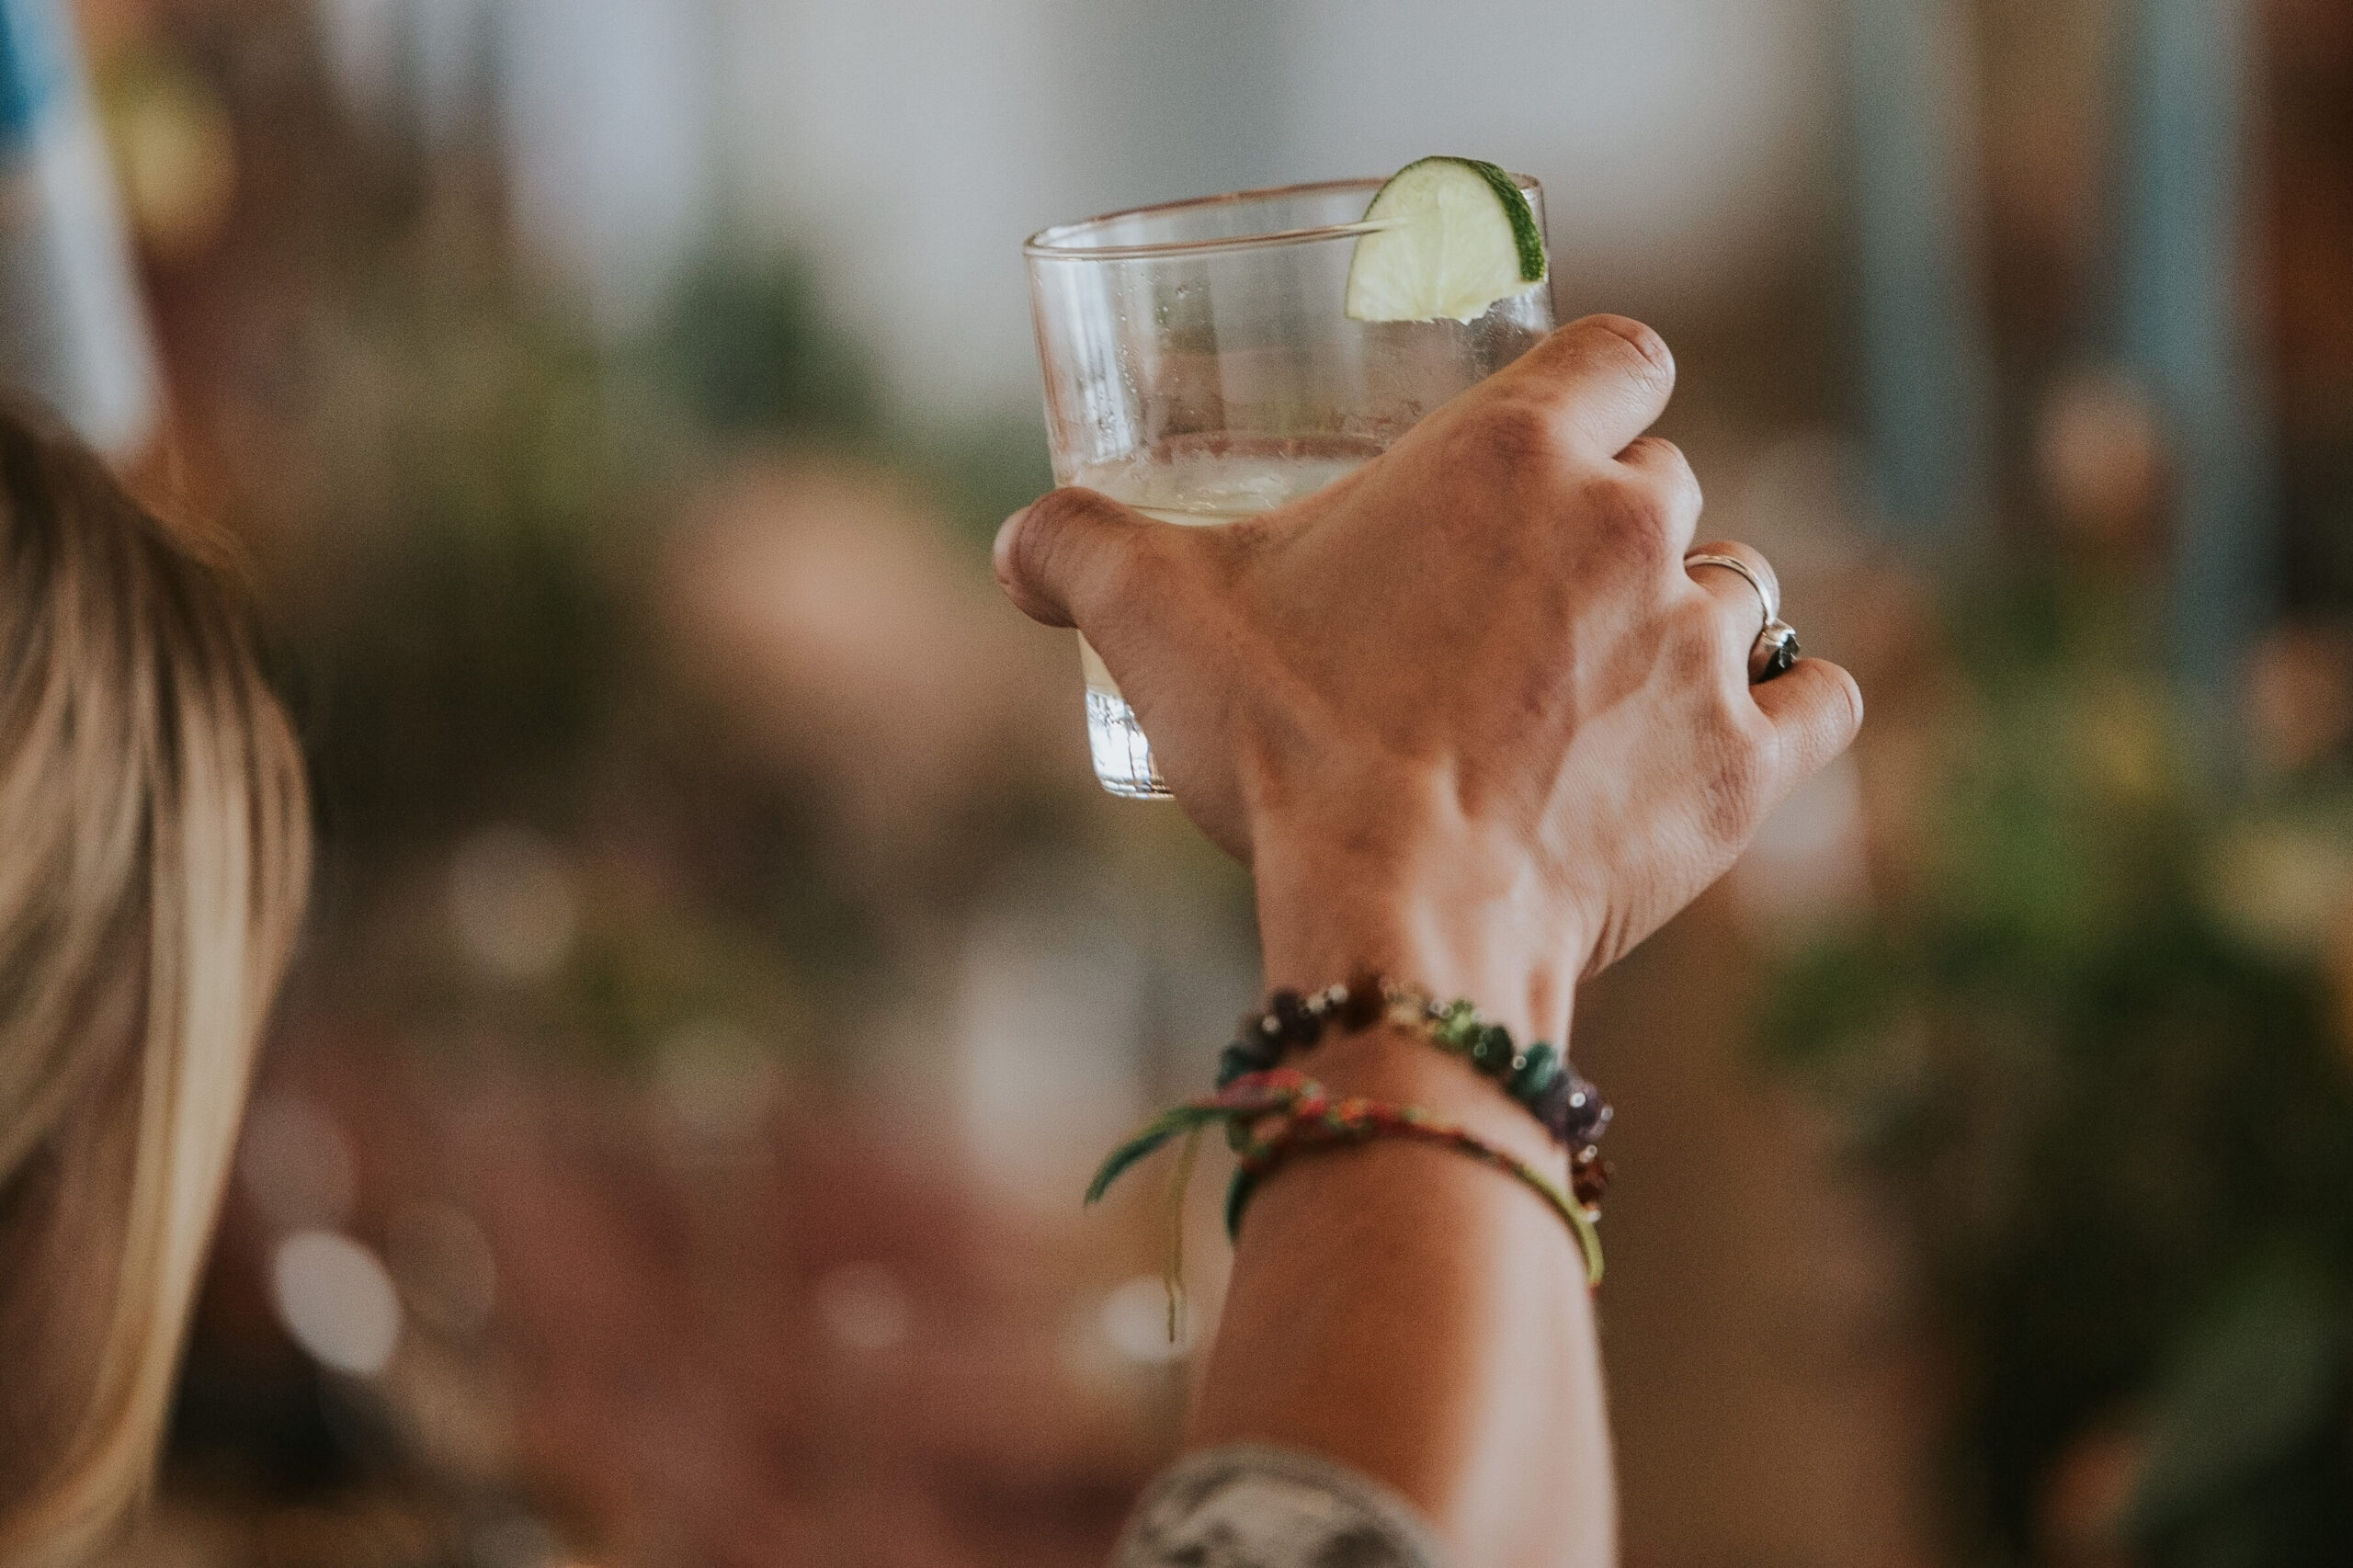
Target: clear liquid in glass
1198, 485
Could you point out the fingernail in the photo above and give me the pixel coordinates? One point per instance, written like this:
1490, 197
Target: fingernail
1004, 532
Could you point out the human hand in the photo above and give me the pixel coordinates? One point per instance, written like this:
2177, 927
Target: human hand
1465, 712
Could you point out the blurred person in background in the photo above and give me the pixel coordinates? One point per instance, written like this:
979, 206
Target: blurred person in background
154, 862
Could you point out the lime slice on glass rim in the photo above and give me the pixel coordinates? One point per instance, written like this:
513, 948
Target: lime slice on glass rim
1455, 236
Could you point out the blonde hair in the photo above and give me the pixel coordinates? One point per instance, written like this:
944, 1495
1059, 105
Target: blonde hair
155, 853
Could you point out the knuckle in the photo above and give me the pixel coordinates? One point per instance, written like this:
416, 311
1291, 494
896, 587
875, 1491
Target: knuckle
1629, 515
1514, 433
1665, 466
1028, 550
1636, 347
1058, 525
1057, 559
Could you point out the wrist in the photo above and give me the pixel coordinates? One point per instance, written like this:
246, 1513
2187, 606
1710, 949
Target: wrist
1455, 924
1400, 1066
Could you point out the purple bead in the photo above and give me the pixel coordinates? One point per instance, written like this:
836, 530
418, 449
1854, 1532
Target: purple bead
1586, 1114
1552, 1106
1572, 1109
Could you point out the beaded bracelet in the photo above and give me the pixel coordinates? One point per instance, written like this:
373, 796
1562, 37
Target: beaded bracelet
1279, 1112
1538, 1077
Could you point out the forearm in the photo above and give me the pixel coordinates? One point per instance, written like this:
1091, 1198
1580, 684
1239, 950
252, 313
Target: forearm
1414, 1313
1475, 722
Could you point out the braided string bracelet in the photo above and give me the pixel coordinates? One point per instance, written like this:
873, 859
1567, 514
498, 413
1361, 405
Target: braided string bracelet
1272, 1114
1538, 1076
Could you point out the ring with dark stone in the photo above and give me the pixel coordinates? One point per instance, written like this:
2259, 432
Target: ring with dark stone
1774, 651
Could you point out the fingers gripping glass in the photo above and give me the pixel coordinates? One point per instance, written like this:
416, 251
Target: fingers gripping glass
1200, 366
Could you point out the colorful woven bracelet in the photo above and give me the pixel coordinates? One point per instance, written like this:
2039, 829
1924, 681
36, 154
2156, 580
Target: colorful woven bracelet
1275, 1114
1538, 1076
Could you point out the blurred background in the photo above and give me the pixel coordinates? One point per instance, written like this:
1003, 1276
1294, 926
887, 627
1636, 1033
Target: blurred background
724, 971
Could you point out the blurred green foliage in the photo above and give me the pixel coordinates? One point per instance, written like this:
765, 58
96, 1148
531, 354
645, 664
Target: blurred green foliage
469, 627
744, 348
2118, 1125
747, 356
471, 641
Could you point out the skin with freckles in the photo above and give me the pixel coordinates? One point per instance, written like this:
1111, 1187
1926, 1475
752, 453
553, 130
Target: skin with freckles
1471, 723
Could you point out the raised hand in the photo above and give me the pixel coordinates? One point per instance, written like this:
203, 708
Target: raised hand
1465, 712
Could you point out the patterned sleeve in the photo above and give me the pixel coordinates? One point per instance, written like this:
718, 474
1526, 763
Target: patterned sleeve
1247, 1506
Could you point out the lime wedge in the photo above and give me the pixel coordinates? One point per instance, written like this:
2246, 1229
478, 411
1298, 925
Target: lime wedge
1457, 235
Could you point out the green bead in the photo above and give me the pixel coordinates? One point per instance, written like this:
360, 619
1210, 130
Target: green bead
1538, 1072
1493, 1051
1456, 1024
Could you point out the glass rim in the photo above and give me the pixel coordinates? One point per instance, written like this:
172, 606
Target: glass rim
1050, 243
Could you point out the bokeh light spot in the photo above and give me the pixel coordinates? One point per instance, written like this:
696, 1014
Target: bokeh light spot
512, 901
1135, 1320
336, 1301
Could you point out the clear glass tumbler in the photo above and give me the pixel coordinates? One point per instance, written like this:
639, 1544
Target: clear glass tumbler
1200, 367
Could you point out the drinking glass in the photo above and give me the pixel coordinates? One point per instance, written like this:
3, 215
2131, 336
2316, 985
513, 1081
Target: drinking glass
1200, 367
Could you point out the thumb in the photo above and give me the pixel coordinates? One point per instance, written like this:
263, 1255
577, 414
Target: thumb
1069, 555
